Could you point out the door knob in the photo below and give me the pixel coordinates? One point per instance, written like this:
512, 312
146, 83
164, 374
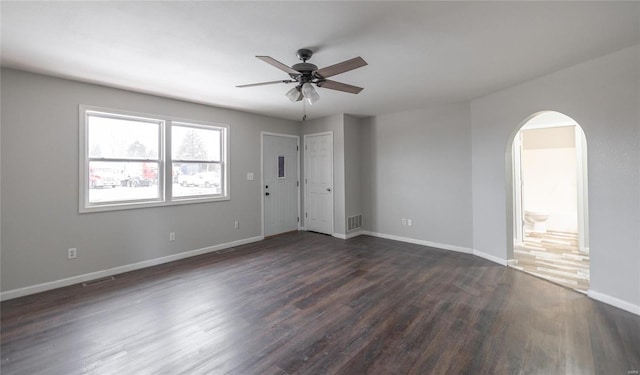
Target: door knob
328, 189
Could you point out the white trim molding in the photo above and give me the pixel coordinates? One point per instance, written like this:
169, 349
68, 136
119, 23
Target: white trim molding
624, 305
348, 235
15, 293
512, 262
354, 234
436, 245
490, 257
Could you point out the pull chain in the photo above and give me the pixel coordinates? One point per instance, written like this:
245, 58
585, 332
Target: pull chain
304, 110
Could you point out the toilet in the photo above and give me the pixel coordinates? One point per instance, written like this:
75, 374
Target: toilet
536, 221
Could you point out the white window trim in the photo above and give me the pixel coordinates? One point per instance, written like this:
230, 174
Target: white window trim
223, 165
165, 167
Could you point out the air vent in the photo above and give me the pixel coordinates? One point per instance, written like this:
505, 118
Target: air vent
354, 222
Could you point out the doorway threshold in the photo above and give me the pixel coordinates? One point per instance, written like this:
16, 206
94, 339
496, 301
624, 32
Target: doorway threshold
554, 256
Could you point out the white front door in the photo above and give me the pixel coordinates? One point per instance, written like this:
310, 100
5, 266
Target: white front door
280, 183
318, 173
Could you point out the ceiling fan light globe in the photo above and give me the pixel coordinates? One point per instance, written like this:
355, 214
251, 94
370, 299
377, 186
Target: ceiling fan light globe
294, 95
313, 100
310, 94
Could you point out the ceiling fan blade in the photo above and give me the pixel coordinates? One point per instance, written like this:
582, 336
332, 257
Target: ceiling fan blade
278, 64
333, 85
342, 67
267, 83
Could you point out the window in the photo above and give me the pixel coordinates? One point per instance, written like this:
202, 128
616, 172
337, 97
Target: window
281, 167
130, 160
124, 158
197, 160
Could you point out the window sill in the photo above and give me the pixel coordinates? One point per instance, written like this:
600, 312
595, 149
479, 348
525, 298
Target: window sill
138, 205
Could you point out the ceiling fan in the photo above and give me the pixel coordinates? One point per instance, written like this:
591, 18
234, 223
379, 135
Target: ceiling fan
306, 74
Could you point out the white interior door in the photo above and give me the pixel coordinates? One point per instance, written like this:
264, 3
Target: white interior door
280, 183
318, 173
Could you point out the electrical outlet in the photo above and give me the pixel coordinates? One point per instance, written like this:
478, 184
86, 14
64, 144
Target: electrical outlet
404, 221
409, 222
172, 236
236, 224
72, 253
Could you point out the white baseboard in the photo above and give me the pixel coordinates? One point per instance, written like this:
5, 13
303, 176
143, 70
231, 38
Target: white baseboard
354, 234
459, 249
348, 235
15, 293
437, 245
624, 305
493, 258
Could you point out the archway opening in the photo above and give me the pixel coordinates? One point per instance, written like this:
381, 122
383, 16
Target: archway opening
548, 202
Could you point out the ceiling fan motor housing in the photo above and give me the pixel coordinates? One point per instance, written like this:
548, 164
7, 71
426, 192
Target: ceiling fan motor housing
306, 71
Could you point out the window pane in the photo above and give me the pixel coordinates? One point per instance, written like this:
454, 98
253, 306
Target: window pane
122, 181
193, 179
197, 144
280, 166
122, 138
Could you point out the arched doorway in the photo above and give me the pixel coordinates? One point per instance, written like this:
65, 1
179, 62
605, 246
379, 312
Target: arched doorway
549, 206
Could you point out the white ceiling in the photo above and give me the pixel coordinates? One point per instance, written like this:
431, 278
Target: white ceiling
419, 53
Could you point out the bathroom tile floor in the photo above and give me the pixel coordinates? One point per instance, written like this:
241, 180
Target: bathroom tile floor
554, 256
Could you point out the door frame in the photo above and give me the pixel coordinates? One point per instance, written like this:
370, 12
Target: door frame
333, 213
582, 175
513, 172
262, 190
518, 236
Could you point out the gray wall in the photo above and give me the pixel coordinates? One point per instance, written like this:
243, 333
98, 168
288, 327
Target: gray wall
352, 166
40, 217
417, 165
603, 96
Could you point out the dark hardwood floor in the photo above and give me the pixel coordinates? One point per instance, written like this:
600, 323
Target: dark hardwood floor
305, 303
